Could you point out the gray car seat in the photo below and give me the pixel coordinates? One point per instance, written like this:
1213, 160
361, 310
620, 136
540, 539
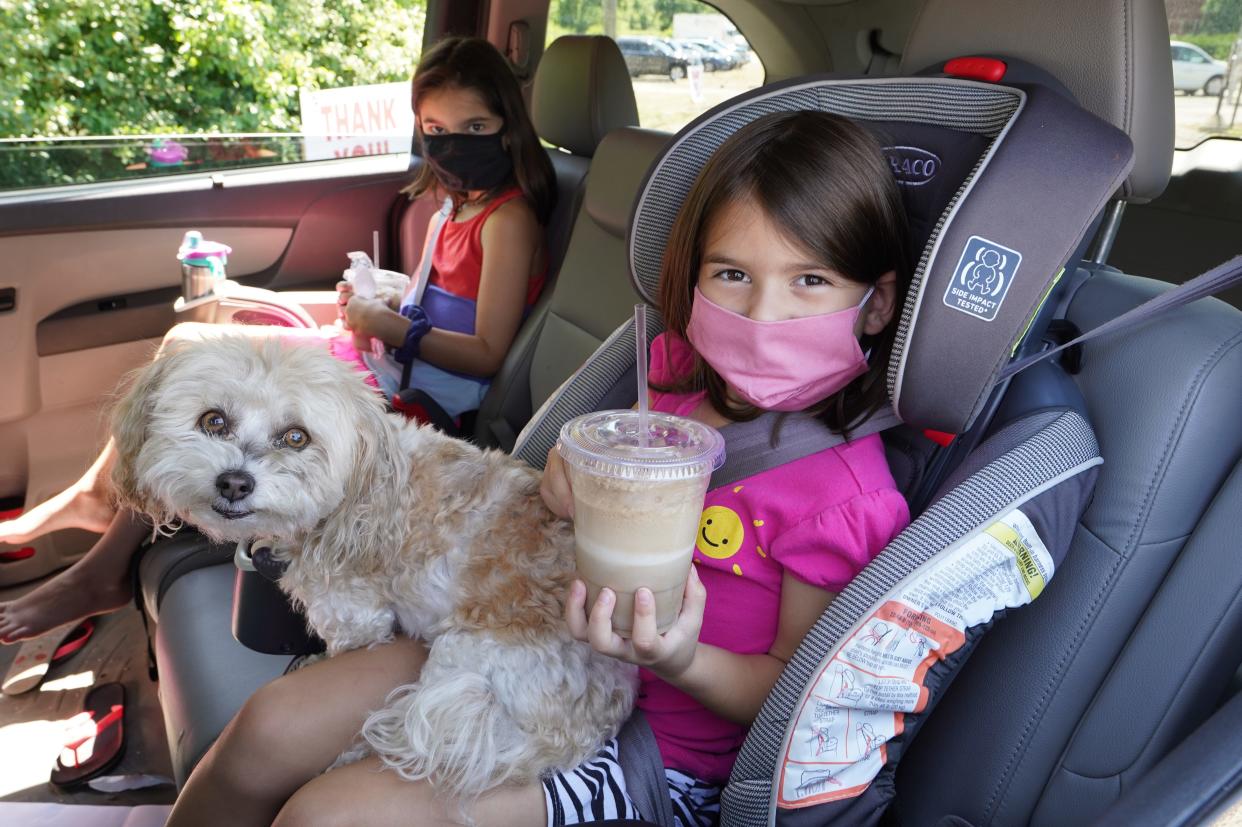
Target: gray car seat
993, 133
593, 292
1069, 702
1067, 705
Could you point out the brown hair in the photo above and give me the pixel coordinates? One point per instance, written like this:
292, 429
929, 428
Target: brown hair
473, 63
825, 179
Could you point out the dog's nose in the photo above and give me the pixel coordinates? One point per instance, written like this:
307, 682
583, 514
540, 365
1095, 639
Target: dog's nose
234, 485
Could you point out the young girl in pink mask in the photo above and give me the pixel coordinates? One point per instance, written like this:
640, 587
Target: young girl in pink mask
779, 285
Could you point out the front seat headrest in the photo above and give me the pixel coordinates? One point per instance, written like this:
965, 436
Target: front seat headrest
1112, 55
582, 92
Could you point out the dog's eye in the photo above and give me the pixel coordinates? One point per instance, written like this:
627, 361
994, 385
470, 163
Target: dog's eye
296, 438
213, 423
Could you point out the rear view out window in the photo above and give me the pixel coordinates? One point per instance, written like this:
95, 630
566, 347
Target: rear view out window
683, 55
103, 91
1206, 53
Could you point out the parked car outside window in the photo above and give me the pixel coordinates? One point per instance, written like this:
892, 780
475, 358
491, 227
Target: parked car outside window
724, 56
676, 27
688, 52
650, 56
1195, 70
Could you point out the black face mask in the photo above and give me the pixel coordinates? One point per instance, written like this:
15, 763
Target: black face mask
468, 162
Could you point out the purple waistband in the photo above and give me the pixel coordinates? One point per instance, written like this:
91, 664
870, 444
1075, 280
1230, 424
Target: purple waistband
448, 311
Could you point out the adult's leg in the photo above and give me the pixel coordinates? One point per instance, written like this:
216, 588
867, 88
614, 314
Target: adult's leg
97, 583
290, 731
364, 793
82, 505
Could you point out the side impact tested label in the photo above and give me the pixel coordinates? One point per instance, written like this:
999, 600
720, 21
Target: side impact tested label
982, 278
857, 699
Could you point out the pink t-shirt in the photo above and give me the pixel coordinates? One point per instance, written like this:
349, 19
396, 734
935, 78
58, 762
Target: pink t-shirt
822, 518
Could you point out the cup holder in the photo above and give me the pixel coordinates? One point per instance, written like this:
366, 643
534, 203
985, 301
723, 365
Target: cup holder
263, 618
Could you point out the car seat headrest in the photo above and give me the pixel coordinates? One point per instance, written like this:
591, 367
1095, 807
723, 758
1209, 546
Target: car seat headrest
582, 91
1001, 183
1112, 55
622, 158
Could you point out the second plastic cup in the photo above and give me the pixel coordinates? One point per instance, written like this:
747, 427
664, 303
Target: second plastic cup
636, 506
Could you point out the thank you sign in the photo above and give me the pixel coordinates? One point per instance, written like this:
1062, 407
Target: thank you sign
357, 120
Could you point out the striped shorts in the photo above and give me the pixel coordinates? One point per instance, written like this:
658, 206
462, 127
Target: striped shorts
595, 790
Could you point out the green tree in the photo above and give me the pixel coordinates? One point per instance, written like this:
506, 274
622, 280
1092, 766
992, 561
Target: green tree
578, 15
640, 14
1221, 17
118, 67
665, 9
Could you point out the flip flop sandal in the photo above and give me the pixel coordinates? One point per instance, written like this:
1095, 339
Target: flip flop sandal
14, 554
35, 656
97, 737
76, 640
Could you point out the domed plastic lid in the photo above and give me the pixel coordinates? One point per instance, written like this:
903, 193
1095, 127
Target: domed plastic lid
195, 249
609, 443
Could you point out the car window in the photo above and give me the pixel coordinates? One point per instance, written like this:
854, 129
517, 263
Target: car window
674, 79
96, 92
1206, 50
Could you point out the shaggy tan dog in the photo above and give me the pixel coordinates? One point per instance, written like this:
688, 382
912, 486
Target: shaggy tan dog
388, 528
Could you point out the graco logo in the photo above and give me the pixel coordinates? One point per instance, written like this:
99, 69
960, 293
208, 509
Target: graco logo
912, 167
982, 278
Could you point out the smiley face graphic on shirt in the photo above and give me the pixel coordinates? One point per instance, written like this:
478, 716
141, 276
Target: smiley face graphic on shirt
721, 532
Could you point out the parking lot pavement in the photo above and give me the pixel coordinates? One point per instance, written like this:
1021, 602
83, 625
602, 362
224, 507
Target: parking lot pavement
1197, 119
669, 105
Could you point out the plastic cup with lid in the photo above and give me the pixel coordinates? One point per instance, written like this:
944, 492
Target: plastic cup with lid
637, 505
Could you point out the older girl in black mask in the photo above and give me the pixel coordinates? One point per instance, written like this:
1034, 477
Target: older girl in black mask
488, 261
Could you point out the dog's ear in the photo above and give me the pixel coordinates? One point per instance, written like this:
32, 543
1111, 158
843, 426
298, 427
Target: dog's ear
371, 514
378, 443
129, 422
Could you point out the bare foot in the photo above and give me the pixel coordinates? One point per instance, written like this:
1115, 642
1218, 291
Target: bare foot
76, 507
74, 594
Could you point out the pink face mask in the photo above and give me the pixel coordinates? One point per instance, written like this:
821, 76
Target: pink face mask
779, 366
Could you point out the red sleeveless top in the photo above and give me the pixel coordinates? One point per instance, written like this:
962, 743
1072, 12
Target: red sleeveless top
457, 260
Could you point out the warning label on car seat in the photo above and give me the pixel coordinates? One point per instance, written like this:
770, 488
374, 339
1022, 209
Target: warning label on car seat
857, 700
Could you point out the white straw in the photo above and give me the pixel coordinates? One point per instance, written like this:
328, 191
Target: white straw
375, 247
640, 348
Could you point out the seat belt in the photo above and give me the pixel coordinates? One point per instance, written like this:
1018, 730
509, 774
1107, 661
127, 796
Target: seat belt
773, 439
1204, 284
643, 769
424, 274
